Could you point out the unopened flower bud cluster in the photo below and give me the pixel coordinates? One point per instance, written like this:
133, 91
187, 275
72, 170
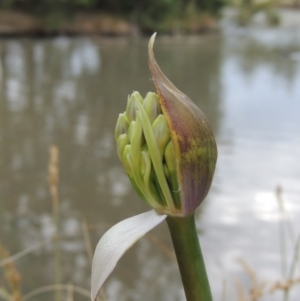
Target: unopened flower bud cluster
147, 152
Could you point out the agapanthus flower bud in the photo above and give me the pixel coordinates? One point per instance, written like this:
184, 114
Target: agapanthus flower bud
167, 146
169, 154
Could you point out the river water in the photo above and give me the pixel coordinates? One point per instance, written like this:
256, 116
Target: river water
68, 92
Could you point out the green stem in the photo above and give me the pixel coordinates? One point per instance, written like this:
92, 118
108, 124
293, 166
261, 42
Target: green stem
190, 260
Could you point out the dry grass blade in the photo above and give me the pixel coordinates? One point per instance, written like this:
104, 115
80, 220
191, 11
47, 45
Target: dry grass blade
284, 285
53, 186
284, 214
89, 250
24, 252
240, 291
12, 275
285, 227
87, 241
56, 287
54, 173
248, 270
256, 290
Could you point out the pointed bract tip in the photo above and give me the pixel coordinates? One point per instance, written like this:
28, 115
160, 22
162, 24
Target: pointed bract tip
151, 42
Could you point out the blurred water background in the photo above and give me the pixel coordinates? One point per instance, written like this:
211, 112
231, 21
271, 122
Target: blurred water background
69, 91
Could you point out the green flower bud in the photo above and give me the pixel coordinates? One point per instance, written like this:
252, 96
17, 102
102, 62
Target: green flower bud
141, 147
166, 146
132, 105
161, 133
170, 158
152, 106
171, 172
122, 126
127, 160
122, 141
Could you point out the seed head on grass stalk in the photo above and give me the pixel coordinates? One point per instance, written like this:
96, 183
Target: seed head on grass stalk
169, 153
12, 275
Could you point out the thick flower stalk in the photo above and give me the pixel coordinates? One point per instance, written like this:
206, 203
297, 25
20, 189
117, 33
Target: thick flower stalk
169, 153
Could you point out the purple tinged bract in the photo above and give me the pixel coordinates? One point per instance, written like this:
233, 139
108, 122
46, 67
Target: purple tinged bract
192, 137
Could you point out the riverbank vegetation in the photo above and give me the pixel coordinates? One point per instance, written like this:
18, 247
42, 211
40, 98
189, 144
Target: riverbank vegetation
121, 17
108, 17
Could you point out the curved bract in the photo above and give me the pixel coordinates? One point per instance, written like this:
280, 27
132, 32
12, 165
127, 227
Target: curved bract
115, 242
192, 137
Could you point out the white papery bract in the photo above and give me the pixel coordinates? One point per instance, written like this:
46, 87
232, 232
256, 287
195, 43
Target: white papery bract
116, 241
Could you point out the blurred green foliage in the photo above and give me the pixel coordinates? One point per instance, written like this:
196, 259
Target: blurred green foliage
247, 9
147, 14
